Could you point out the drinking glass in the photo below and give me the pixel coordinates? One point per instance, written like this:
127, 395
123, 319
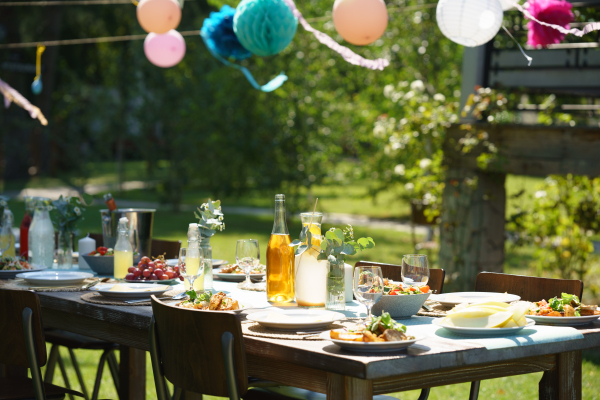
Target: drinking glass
190, 267
415, 270
368, 286
247, 256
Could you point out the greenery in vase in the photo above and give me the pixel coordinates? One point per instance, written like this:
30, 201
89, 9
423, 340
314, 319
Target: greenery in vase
67, 211
3, 206
210, 218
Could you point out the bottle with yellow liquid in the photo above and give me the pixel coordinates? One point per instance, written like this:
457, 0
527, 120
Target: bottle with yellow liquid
123, 250
194, 258
7, 239
280, 258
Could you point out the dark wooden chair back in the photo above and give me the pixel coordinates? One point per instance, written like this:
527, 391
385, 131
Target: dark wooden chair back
189, 350
13, 346
394, 272
98, 238
169, 248
530, 288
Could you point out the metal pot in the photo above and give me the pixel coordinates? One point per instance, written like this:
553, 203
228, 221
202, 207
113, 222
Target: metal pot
140, 228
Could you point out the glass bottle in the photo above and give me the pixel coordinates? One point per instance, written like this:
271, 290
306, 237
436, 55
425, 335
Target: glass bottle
64, 249
110, 202
280, 258
206, 249
25, 225
41, 236
7, 238
123, 250
192, 258
310, 273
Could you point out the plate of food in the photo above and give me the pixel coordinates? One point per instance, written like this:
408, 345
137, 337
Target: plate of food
486, 319
153, 271
130, 290
232, 272
296, 319
381, 335
11, 266
566, 310
401, 301
212, 302
55, 278
452, 299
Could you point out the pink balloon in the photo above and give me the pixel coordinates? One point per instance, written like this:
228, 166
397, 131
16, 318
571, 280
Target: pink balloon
165, 50
360, 22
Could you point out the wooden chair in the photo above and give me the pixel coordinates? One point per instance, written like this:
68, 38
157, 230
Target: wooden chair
529, 288
169, 248
23, 346
394, 272
98, 238
195, 358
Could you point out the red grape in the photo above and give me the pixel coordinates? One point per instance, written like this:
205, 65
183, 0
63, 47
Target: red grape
146, 273
145, 260
137, 278
131, 269
153, 277
159, 272
180, 278
176, 269
151, 269
170, 274
129, 277
151, 264
137, 272
140, 264
163, 277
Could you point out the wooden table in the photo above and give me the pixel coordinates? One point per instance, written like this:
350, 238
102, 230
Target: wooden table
322, 367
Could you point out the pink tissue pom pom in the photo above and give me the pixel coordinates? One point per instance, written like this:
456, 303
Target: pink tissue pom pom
556, 12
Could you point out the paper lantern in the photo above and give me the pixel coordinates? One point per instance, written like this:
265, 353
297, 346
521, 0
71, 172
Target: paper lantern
36, 86
165, 50
158, 16
360, 22
217, 32
264, 27
507, 4
469, 22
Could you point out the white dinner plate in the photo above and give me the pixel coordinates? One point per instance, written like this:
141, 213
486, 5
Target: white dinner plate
371, 347
563, 321
13, 274
215, 262
55, 278
148, 290
296, 319
238, 277
482, 331
452, 299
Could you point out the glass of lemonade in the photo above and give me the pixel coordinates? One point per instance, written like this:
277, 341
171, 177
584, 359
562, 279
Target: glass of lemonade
311, 274
191, 264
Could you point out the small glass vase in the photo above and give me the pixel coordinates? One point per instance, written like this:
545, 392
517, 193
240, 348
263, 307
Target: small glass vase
208, 272
336, 297
64, 250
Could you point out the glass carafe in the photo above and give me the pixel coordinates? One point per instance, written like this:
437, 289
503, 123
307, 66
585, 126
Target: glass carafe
41, 236
206, 250
280, 258
193, 257
310, 273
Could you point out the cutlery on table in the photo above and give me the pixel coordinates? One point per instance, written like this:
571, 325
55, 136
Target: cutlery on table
176, 297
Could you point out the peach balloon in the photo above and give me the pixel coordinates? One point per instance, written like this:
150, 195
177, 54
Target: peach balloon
360, 22
158, 16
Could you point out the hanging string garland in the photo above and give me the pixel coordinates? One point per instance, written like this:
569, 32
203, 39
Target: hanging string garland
36, 85
165, 50
158, 16
360, 22
469, 22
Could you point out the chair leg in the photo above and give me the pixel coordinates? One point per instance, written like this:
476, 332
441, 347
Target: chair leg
177, 393
227, 352
32, 352
424, 394
63, 372
78, 372
474, 393
103, 358
51, 365
113, 366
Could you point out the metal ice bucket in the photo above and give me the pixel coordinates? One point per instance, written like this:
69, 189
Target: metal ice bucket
140, 228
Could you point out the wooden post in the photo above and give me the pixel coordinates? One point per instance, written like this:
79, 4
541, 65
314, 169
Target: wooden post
472, 228
564, 381
340, 387
132, 374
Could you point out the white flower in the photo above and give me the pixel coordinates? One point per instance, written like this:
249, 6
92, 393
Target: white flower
399, 169
388, 90
540, 193
77, 211
379, 131
439, 97
417, 85
424, 163
409, 186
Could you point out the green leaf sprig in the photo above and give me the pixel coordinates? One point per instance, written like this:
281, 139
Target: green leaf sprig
385, 321
67, 211
210, 218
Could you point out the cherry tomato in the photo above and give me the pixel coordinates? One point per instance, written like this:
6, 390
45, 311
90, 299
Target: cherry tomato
425, 289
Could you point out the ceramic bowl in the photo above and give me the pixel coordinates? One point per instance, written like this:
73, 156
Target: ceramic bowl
104, 265
401, 306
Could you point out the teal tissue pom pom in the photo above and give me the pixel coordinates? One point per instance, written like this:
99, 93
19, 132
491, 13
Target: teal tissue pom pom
264, 27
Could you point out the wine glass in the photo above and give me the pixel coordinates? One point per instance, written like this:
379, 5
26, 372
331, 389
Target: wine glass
247, 256
191, 264
368, 286
415, 270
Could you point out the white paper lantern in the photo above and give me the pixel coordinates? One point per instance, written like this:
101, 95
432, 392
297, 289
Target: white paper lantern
469, 22
507, 4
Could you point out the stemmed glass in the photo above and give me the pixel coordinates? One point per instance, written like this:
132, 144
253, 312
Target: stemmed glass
415, 270
191, 264
368, 286
247, 256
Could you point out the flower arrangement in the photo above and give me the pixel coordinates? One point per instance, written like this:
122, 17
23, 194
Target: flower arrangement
210, 218
66, 212
556, 12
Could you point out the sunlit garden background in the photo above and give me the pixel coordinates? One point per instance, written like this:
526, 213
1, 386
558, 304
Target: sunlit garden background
367, 144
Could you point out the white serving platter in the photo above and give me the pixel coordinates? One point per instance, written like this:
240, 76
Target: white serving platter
452, 299
482, 331
296, 319
563, 321
142, 290
237, 277
55, 278
372, 347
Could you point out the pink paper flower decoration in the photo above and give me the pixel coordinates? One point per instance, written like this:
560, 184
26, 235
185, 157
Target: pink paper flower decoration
556, 12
